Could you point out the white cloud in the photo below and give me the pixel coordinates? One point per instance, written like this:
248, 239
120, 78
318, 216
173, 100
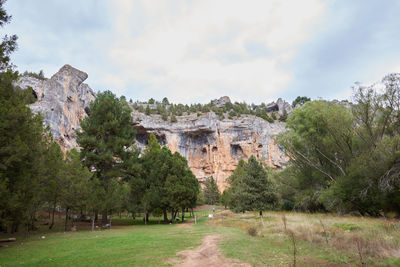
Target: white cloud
194, 51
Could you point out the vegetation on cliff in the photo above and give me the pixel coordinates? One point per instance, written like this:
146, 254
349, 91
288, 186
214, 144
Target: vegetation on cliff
170, 111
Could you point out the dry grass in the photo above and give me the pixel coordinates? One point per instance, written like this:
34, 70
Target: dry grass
367, 239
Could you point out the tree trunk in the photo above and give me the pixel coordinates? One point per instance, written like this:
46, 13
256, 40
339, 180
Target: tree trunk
96, 216
66, 219
261, 217
110, 219
165, 215
92, 223
14, 228
52, 219
183, 214
174, 212
104, 217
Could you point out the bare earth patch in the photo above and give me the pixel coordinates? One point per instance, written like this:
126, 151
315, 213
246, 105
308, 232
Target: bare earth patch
207, 254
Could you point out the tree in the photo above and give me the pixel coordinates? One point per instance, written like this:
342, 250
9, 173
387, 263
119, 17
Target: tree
252, 188
211, 191
9, 43
165, 101
226, 198
21, 148
75, 185
300, 100
284, 116
106, 139
320, 144
52, 176
343, 156
147, 110
164, 116
181, 186
173, 118
151, 101
164, 182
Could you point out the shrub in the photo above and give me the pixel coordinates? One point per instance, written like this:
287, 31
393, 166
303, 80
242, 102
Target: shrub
252, 231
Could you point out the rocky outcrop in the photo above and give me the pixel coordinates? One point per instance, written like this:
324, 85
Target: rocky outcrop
280, 106
214, 147
222, 101
63, 100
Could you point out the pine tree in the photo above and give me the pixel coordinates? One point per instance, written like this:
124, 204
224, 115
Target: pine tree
148, 110
106, 139
251, 187
211, 191
75, 185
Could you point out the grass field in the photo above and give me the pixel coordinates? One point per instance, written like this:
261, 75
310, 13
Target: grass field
320, 239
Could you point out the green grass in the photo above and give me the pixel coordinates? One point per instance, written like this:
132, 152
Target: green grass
122, 246
156, 244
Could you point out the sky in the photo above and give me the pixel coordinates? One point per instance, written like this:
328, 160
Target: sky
195, 51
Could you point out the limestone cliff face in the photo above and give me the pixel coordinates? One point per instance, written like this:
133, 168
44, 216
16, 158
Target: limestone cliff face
212, 146
63, 100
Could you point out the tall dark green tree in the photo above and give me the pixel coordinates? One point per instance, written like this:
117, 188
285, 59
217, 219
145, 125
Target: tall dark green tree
300, 100
106, 139
211, 191
181, 185
75, 185
52, 177
252, 188
165, 181
21, 145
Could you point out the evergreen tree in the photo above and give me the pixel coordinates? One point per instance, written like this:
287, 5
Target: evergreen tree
52, 176
181, 186
284, 116
226, 198
165, 101
147, 110
253, 190
165, 181
21, 149
211, 191
106, 139
75, 185
300, 100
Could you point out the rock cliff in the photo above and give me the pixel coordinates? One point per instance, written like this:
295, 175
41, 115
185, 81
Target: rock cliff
214, 147
211, 146
63, 100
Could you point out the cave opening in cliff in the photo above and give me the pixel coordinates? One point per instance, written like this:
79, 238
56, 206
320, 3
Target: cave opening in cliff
34, 94
236, 150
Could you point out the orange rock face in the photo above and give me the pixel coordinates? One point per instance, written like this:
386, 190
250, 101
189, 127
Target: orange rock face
214, 147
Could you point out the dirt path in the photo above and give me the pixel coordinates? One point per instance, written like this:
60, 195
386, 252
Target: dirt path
207, 254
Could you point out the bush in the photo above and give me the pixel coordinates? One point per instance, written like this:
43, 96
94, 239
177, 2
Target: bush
252, 231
